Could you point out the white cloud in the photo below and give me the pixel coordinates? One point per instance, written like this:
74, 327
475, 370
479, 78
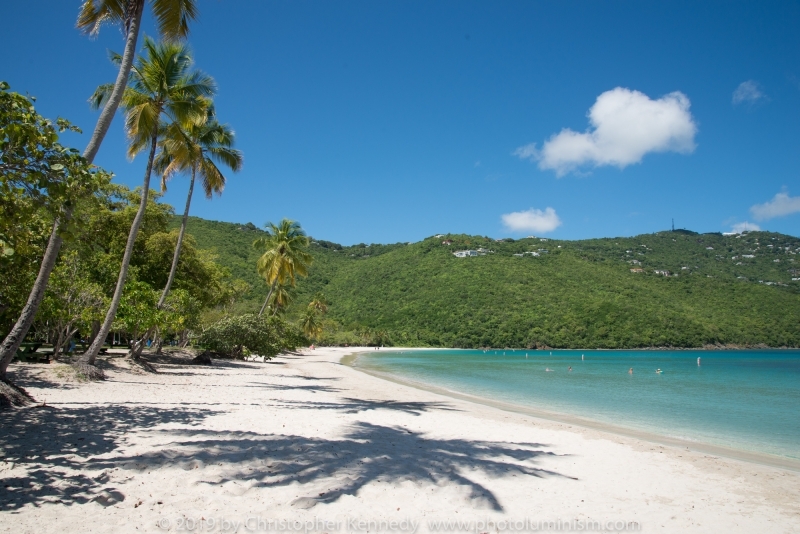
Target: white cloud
624, 126
532, 220
747, 92
780, 205
738, 228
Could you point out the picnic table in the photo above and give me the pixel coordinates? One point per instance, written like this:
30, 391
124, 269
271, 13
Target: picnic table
28, 353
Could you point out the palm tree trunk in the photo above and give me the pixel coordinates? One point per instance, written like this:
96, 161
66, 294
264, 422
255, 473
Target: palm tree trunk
271, 289
107, 115
14, 339
90, 355
157, 342
137, 347
177, 255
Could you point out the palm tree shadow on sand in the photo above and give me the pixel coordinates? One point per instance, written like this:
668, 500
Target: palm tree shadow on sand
68, 453
366, 453
55, 447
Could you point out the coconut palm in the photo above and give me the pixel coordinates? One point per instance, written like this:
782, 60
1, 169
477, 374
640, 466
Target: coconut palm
319, 303
197, 148
311, 324
162, 86
172, 19
281, 298
285, 256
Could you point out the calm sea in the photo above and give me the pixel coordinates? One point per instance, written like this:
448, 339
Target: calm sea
746, 400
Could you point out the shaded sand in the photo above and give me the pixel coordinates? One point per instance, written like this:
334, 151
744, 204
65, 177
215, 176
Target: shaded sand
305, 438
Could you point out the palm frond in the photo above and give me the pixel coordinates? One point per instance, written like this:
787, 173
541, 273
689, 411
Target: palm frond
94, 13
100, 96
213, 179
173, 17
229, 157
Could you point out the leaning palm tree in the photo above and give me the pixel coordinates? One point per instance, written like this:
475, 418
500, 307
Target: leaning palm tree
161, 85
198, 149
285, 256
172, 18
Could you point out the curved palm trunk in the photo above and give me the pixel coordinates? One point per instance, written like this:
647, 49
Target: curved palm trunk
136, 351
177, 255
91, 353
271, 289
14, 339
107, 115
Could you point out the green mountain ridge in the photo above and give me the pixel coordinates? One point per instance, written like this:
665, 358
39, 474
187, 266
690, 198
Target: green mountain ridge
693, 290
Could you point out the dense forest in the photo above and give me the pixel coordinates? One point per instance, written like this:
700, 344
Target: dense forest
668, 289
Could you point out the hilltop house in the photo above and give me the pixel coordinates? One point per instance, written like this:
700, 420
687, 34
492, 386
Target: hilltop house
447, 242
637, 270
465, 253
662, 272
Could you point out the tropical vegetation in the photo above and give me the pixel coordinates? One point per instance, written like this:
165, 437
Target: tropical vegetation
720, 290
95, 258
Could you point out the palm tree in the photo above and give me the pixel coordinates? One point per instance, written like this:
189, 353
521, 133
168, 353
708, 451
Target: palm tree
197, 148
281, 298
285, 256
311, 321
312, 326
172, 19
319, 303
161, 84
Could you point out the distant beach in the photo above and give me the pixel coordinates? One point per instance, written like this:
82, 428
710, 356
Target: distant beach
306, 438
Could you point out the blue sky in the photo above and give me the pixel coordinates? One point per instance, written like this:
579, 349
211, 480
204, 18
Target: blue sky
386, 121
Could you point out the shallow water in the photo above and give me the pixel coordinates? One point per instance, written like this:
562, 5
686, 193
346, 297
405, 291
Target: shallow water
747, 400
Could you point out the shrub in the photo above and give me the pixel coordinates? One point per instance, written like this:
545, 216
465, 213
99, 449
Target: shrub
241, 335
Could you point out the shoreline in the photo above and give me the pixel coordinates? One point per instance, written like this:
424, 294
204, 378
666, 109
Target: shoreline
758, 458
306, 438
708, 348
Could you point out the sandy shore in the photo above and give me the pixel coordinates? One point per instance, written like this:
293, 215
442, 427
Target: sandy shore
240, 446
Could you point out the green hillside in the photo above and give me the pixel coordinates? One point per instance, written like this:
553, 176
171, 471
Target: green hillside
577, 294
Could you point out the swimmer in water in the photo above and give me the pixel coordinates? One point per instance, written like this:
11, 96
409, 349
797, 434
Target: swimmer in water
698, 361
630, 371
570, 369
658, 371
548, 370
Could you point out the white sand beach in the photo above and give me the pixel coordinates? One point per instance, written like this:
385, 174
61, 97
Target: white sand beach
241, 446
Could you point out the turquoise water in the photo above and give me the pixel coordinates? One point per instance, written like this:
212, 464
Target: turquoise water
747, 400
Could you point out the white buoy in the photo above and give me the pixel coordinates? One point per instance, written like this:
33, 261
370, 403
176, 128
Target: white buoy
581, 357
